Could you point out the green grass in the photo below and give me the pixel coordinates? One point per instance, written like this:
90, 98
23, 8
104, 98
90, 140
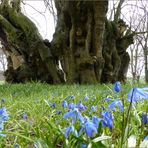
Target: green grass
44, 126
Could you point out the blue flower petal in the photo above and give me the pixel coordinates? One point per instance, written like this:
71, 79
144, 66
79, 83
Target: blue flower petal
81, 130
108, 120
84, 146
3, 114
81, 107
137, 94
90, 129
96, 121
117, 87
54, 105
74, 119
25, 116
80, 117
93, 109
69, 114
1, 126
65, 104
108, 99
86, 98
2, 135
70, 130
116, 103
144, 118
75, 114
71, 106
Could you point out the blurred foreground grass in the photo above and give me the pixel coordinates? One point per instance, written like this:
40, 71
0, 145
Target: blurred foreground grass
35, 99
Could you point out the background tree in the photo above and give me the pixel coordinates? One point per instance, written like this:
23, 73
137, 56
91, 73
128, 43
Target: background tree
134, 12
91, 48
28, 56
143, 40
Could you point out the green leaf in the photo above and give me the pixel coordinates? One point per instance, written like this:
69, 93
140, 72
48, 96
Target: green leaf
89, 145
19, 135
99, 145
47, 102
136, 115
41, 144
101, 138
66, 141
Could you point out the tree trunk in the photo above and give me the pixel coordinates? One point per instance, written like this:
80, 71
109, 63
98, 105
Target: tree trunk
80, 27
146, 61
91, 49
28, 56
145, 49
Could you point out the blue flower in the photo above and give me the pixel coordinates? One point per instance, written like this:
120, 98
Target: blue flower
89, 128
71, 106
70, 130
3, 114
2, 135
84, 146
108, 99
117, 87
116, 103
137, 94
3, 118
93, 109
96, 121
54, 105
72, 97
81, 107
74, 114
103, 108
86, 98
108, 120
17, 146
144, 118
65, 104
25, 116
59, 112
1, 126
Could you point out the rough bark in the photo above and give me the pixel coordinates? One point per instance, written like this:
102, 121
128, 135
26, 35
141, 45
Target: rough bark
28, 56
81, 26
91, 49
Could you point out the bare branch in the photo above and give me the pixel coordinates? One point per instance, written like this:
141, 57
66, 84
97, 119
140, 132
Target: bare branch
118, 11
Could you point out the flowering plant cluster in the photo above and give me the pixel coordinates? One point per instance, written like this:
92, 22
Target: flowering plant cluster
104, 120
92, 126
3, 118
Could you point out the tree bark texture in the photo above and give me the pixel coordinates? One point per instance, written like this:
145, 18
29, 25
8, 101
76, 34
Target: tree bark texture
91, 49
28, 56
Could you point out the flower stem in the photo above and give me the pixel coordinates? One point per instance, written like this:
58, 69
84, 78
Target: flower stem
124, 125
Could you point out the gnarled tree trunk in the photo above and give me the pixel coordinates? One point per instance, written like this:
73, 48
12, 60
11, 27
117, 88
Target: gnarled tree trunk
28, 56
91, 49
79, 39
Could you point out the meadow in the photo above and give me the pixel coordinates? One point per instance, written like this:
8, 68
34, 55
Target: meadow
36, 115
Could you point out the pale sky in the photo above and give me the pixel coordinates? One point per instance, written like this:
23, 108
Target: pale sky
40, 15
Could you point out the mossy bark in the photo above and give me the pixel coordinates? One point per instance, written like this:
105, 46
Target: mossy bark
28, 56
81, 25
91, 49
